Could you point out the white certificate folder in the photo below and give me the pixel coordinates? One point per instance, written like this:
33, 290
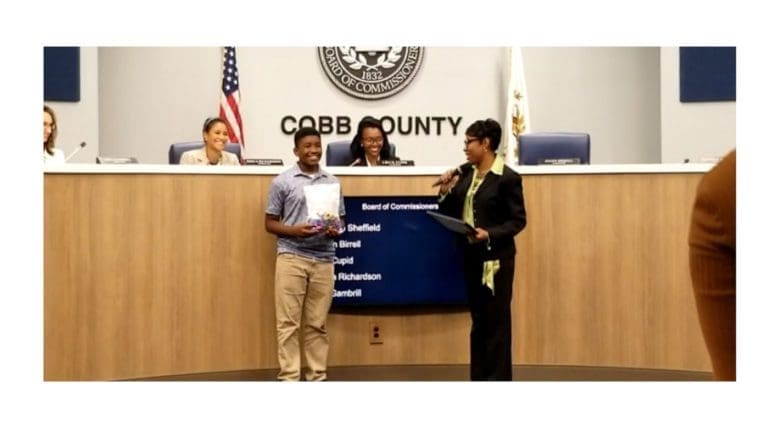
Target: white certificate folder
452, 224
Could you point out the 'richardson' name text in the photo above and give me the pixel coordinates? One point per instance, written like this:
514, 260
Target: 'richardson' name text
359, 276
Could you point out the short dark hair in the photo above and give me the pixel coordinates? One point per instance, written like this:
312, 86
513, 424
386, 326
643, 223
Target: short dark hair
488, 128
357, 151
304, 132
210, 121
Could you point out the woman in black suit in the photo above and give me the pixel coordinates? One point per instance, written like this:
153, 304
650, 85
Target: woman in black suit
489, 196
370, 145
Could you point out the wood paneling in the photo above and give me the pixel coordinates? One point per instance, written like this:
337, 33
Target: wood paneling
602, 276
150, 275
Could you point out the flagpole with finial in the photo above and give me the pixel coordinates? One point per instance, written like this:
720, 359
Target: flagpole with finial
517, 108
518, 121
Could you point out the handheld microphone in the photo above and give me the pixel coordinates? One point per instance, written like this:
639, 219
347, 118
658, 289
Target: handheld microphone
80, 147
458, 171
356, 161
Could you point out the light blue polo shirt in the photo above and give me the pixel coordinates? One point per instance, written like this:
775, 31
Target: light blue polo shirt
287, 200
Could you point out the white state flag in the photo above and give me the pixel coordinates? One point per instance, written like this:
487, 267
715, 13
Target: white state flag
517, 110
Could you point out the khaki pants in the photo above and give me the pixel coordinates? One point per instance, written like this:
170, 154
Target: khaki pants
303, 295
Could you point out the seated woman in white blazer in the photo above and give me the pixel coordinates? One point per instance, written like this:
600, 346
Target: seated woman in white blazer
216, 137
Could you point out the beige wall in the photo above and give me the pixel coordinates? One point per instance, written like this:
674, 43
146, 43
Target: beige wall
152, 97
612, 93
138, 100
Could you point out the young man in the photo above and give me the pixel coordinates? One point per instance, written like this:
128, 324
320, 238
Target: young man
304, 269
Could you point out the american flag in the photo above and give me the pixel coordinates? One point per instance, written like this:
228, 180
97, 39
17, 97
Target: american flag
229, 109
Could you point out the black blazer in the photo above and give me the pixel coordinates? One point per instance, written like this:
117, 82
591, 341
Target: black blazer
497, 207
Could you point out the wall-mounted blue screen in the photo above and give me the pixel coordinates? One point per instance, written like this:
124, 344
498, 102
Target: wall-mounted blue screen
61, 74
708, 74
393, 253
